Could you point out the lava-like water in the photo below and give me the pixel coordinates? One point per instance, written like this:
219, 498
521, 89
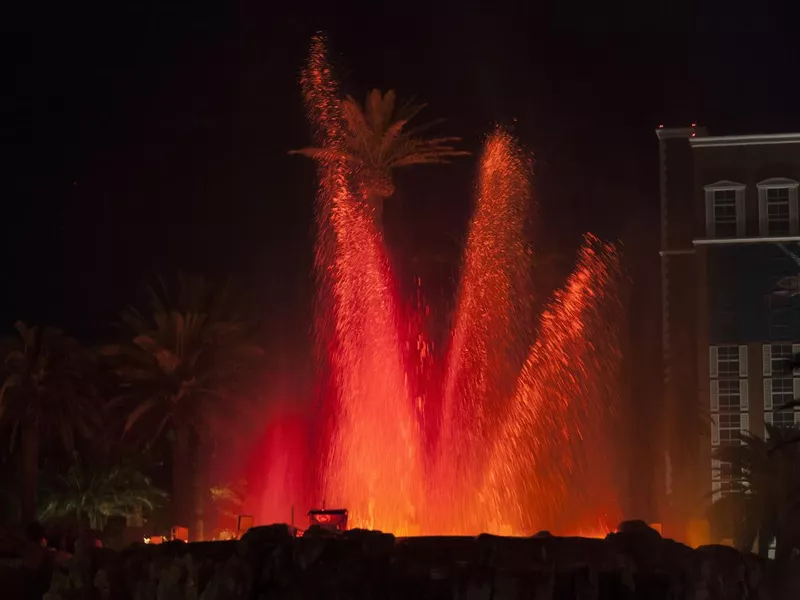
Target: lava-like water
510, 441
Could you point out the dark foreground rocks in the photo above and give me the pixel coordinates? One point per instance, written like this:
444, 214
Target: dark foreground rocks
269, 563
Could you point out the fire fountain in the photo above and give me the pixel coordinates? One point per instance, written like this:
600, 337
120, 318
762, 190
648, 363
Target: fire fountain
514, 437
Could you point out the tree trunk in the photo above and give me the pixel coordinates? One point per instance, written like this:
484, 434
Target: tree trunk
30, 471
181, 478
198, 525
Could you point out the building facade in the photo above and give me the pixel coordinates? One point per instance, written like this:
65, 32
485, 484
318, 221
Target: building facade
730, 283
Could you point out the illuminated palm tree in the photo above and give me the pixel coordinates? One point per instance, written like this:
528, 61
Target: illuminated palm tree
92, 495
47, 393
183, 376
376, 142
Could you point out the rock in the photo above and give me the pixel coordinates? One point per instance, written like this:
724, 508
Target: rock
373, 543
280, 533
271, 564
101, 584
638, 527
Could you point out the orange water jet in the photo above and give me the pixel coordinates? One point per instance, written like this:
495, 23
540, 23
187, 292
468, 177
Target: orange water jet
523, 410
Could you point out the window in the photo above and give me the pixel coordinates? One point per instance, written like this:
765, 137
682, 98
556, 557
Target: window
726, 428
727, 361
781, 357
779, 391
723, 476
777, 200
783, 418
729, 397
725, 216
782, 391
727, 475
777, 207
777, 358
730, 428
724, 213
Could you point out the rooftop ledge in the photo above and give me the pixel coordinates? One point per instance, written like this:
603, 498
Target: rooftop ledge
746, 240
744, 140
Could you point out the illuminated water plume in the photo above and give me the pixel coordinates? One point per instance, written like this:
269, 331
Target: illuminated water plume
513, 439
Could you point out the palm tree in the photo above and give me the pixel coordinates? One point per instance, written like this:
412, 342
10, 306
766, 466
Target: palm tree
227, 499
47, 393
92, 495
183, 376
376, 142
764, 495
792, 367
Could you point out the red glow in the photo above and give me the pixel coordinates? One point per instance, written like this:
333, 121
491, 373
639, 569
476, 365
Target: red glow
281, 470
511, 440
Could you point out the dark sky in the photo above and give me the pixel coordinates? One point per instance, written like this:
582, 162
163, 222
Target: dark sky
144, 137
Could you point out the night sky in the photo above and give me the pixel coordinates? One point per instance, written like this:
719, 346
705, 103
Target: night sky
146, 137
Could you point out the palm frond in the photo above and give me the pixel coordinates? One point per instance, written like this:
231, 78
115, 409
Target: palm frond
789, 405
99, 491
47, 378
137, 413
181, 360
327, 154
377, 138
763, 483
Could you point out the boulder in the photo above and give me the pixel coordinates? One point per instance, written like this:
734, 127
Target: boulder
271, 563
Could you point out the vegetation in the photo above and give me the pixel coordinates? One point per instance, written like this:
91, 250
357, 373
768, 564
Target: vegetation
228, 500
182, 376
47, 395
176, 380
763, 502
377, 141
90, 496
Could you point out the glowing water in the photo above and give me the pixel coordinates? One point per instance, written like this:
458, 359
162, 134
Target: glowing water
515, 427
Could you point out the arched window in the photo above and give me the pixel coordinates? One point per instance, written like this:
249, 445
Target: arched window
777, 207
725, 216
